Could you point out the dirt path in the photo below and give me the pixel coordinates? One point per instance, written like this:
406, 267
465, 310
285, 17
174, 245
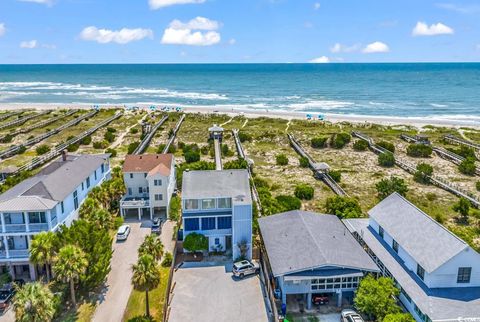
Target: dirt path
288, 125
120, 138
244, 123
231, 119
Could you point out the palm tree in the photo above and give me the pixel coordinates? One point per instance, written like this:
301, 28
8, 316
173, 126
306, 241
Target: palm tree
34, 303
89, 205
153, 246
42, 250
69, 265
146, 276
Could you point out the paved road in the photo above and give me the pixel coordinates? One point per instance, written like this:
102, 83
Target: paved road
207, 292
119, 287
8, 316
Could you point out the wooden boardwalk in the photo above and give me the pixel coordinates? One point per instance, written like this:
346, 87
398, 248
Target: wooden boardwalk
174, 134
148, 138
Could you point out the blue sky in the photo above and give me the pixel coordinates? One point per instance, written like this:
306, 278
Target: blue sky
197, 31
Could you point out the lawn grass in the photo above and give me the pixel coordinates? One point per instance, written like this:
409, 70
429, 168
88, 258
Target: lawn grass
136, 302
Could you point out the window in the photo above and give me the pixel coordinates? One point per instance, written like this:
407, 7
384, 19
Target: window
224, 203
157, 182
337, 283
88, 182
380, 231
217, 241
224, 222
75, 199
409, 299
102, 167
208, 203
8, 218
191, 224
131, 175
83, 187
140, 189
395, 246
62, 207
37, 217
208, 223
147, 189
158, 197
191, 204
144, 175
95, 174
130, 191
464, 274
420, 272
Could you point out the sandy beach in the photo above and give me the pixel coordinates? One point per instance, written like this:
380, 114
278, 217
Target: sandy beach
450, 121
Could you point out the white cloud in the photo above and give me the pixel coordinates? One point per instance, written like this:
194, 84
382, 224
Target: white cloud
422, 29
316, 5
339, 48
28, 44
320, 60
157, 4
232, 41
376, 47
187, 33
122, 36
3, 30
47, 2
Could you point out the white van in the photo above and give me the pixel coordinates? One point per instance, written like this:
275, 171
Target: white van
123, 232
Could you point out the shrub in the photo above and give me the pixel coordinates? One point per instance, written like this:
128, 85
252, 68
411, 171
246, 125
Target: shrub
360, 145
343, 207
386, 159
281, 159
42, 149
242, 136
117, 222
7, 138
288, 203
109, 136
259, 182
336, 175
191, 156
195, 242
205, 149
424, 171
468, 166
304, 162
132, 146
419, 150
304, 191
113, 152
86, 140
73, 147
22, 149
133, 130
319, 142
99, 145
399, 317
463, 208
464, 151
226, 151
477, 185
175, 208
236, 164
167, 259
387, 145
111, 129
388, 186
339, 140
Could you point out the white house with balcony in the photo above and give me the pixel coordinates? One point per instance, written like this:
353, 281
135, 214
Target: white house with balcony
150, 184
43, 203
218, 204
437, 272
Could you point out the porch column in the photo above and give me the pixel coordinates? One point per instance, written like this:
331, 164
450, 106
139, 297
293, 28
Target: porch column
49, 219
339, 298
151, 213
309, 301
33, 275
3, 222
11, 270
5, 243
27, 221
139, 213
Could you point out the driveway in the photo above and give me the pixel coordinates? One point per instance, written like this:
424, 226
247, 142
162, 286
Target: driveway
118, 286
207, 292
8, 316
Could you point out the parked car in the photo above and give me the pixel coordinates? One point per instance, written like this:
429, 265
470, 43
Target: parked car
123, 232
351, 316
156, 226
245, 267
320, 299
6, 294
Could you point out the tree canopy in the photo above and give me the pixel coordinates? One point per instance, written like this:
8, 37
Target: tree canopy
343, 207
390, 185
195, 242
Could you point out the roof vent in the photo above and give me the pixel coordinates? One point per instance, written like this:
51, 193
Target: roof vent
140, 157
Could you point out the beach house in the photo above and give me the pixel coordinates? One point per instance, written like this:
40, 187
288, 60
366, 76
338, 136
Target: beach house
150, 183
218, 204
43, 203
311, 254
437, 272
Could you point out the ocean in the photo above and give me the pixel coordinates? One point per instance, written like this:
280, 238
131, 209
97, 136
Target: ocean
445, 90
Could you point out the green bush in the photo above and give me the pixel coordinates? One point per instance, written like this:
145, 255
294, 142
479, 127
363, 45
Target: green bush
423, 173
387, 145
468, 166
205, 149
73, 147
195, 242
304, 162
304, 191
386, 159
360, 145
319, 142
343, 207
86, 140
236, 164
132, 146
42, 149
117, 222
21, 149
243, 137
419, 150
109, 136
259, 182
339, 140
113, 152
167, 259
133, 130
390, 185
464, 151
288, 203
281, 159
99, 145
191, 156
7, 138
111, 130
175, 208
477, 185
336, 175
226, 151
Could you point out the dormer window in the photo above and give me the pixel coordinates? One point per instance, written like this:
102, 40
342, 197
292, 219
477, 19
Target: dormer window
464, 274
395, 246
380, 231
420, 272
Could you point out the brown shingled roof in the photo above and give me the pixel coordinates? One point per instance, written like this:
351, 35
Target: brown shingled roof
150, 163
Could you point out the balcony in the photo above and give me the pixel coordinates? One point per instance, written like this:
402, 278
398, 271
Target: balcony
18, 253
15, 228
22, 228
38, 227
135, 202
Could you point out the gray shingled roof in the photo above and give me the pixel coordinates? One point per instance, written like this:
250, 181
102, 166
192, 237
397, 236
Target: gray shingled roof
300, 240
213, 183
440, 304
428, 242
51, 185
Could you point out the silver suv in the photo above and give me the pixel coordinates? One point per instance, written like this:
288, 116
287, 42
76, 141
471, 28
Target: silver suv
243, 268
351, 316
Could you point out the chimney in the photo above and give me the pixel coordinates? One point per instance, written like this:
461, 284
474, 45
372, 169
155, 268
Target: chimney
64, 155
